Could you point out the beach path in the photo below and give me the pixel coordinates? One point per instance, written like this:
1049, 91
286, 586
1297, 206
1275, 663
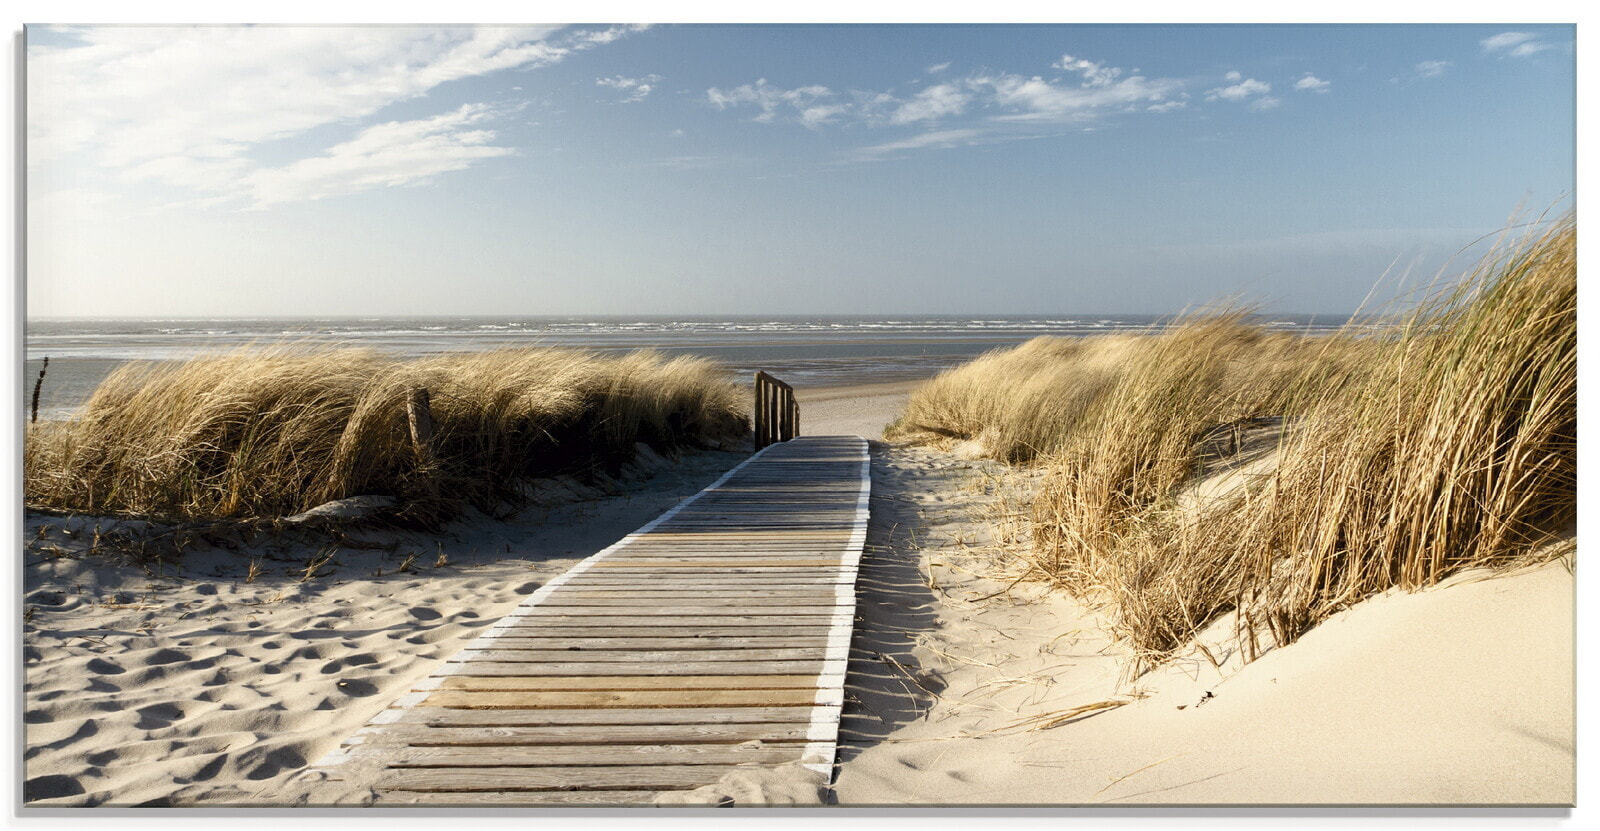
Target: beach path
712, 639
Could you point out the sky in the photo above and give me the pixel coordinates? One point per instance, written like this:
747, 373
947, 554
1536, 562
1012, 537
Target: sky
722, 169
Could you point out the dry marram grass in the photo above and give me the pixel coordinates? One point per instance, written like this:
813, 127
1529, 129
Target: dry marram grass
276, 430
1400, 457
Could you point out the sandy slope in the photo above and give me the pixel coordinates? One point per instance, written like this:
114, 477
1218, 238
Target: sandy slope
1462, 694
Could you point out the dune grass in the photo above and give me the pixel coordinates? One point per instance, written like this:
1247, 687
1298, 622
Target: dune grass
1445, 443
274, 430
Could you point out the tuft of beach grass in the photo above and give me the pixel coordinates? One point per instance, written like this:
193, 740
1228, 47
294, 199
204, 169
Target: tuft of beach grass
1398, 457
275, 430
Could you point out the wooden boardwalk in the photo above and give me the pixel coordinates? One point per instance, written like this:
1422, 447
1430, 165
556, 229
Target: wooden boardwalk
714, 637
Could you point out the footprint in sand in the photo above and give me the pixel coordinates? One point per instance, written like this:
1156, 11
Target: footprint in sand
157, 716
162, 657
53, 786
356, 688
281, 759
423, 613
101, 666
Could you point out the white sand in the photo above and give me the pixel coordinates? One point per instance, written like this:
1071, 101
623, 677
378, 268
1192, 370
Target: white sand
207, 689
1462, 694
200, 687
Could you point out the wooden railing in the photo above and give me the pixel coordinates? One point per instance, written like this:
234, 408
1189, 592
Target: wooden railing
777, 412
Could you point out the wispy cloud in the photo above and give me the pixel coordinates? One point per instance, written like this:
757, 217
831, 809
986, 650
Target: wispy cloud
931, 104
1311, 83
633, 89
1513, 45
1423, 71
384, 155
1038, 100
187, 107
1432, 69
1249, 91
933, 138
938, 68
1098, 89
1095, 74
805, 105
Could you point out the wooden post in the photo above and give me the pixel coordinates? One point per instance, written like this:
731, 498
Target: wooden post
420, 419
36, 387
759, 412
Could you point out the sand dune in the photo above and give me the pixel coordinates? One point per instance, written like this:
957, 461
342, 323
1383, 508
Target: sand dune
202, 688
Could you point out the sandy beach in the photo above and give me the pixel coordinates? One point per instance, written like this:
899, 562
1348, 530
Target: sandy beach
202, 686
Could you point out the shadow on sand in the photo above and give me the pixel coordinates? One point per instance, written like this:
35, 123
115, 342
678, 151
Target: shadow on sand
886, 686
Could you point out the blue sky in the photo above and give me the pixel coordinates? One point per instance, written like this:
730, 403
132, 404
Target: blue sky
763, 169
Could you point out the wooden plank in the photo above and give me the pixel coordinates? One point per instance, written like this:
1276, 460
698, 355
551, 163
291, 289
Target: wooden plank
687, 624
526, 798
435, 717
637, 656
636, 609
586, 756
585, 631
630, 682
708, 643
589, 734
631, 777
632, 699
711, 564
636, 667
602, 597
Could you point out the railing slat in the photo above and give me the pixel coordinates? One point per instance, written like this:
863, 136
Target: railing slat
777, 412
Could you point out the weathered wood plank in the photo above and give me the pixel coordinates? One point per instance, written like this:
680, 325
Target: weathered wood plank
637, 667
582, 632
634, 777
586, 756
570, 644
435, 718
525, 798
586, 734
701, 610
604, 683
685, 623
632, 699
637, 656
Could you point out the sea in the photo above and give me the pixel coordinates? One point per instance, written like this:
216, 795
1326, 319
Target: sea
805, 351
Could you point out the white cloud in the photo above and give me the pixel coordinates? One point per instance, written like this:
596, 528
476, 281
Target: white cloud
772, 100
187, 107
636, 89
1244, 89
1167, 106
931, 104
1311, 83
1432, 69
1094, 74
1513, 44
938, 68
1015, 98
935, 138
384, 155
1232, 76
1035, 99
1264, 103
